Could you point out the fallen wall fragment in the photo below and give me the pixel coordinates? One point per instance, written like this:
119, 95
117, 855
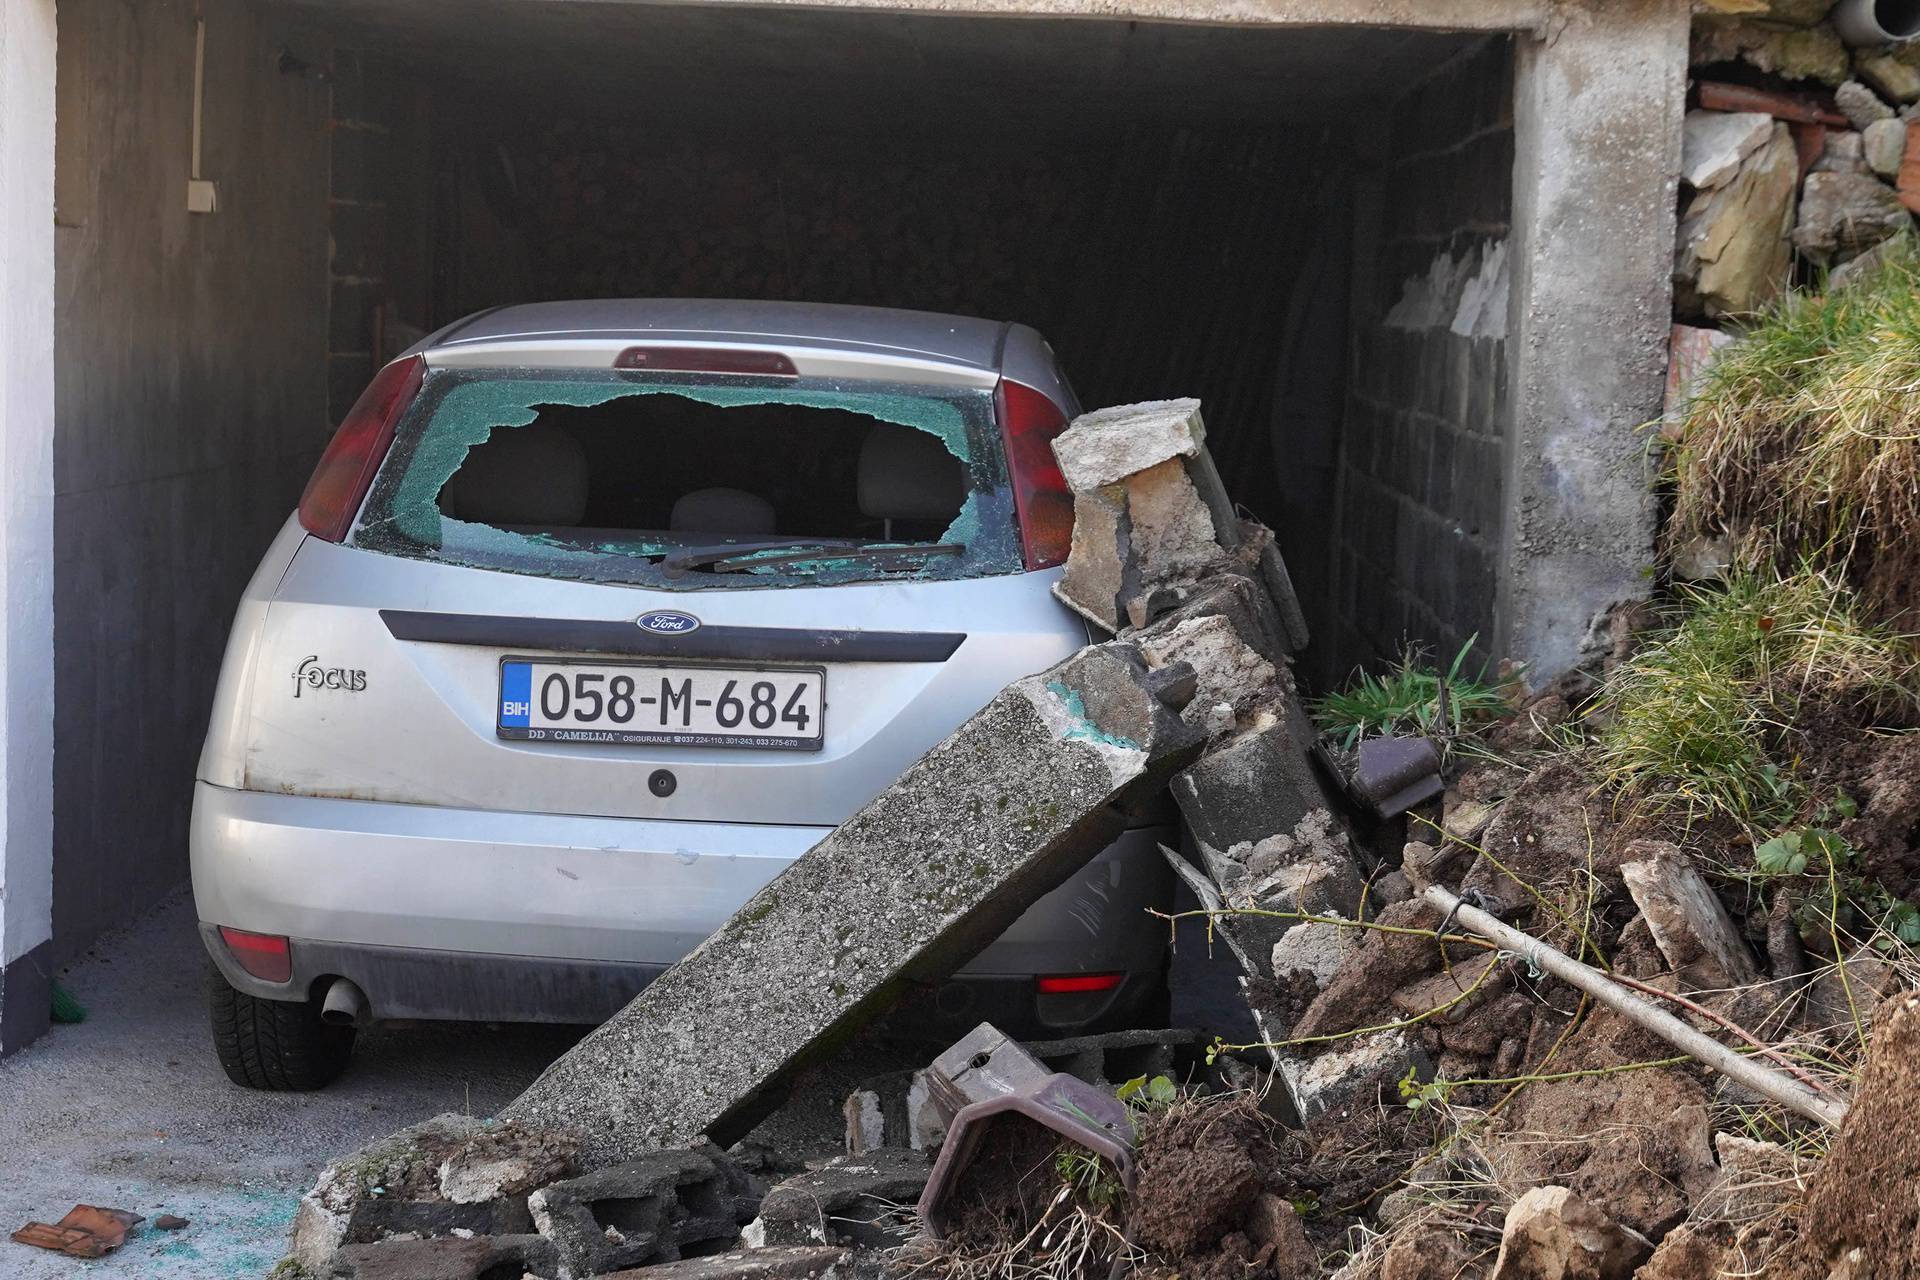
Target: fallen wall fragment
907, 889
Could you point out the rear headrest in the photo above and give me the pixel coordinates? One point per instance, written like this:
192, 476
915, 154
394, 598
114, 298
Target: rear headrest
532, 475
907, 474
728, 511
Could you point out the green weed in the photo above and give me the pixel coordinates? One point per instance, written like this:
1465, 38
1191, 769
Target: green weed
1694, 720
1408, 699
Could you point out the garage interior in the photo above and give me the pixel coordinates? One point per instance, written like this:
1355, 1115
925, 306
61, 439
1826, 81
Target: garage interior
1305, 228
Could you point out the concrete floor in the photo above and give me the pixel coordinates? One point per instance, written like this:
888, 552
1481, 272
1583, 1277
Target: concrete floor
129, 1109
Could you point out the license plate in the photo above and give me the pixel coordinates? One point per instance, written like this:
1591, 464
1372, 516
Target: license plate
635, 702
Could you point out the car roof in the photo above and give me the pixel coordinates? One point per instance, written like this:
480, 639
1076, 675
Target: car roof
962, 340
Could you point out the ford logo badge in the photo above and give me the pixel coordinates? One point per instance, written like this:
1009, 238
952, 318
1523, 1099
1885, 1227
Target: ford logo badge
667, 622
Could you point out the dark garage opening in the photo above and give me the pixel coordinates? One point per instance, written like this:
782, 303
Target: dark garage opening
1304, 227
1229, 213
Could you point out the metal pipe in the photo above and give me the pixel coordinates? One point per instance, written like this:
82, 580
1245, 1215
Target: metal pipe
1869, 22
345, 1005
1785, 1090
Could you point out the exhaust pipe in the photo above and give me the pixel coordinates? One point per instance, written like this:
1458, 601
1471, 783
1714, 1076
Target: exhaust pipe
1868, 22
345, 1005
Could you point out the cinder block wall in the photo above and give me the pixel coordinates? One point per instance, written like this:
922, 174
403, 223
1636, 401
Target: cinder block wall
1421, 492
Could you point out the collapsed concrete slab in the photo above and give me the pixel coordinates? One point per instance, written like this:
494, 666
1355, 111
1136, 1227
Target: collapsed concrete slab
905, 891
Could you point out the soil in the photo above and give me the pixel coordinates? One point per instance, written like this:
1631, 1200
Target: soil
1547, 833
1352, 1157
1887, 830
1199, 1167
1431, 1251
1861, 1195
1636, 1144
1361, 993
1006, 1187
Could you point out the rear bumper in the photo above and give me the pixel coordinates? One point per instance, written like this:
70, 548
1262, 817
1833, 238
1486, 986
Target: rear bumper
472, 914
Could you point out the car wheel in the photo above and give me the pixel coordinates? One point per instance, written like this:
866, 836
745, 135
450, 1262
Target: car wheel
278, 1045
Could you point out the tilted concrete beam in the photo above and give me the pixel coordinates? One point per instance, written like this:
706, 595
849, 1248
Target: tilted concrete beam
905, 891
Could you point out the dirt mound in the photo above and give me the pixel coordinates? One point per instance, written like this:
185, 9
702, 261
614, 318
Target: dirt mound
1886, 784
1635, 1144
1862, 1219
1200, 1167
1550, 829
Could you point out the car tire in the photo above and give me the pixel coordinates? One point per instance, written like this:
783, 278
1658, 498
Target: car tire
278, 1045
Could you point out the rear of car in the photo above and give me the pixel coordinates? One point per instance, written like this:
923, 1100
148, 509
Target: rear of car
592, 619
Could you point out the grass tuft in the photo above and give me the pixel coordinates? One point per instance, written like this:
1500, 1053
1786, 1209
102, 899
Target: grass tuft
1407, 699
1804, 440
1691, 720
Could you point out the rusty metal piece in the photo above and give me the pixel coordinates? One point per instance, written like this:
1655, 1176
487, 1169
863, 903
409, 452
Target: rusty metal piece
1006, 1081
1796, 107
1391, 775
87, 1231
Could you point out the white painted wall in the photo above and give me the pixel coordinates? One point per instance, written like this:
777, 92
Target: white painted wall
26, 475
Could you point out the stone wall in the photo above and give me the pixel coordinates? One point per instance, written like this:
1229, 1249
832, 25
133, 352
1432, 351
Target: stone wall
1421, 487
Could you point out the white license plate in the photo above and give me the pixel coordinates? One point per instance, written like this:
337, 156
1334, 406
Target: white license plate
634, 702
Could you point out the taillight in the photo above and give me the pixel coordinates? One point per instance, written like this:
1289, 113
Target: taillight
346, 469
1063, 983
1029, 421
771, 364
264, 955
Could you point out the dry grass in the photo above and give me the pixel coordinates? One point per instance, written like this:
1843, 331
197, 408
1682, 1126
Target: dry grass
1805, 439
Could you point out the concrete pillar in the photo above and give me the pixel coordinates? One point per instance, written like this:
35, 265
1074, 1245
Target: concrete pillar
26, 517
1599, 94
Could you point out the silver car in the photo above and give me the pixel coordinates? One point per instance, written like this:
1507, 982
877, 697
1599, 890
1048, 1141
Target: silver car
594, 617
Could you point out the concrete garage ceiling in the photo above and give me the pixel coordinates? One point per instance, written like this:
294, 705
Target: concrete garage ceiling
730, 64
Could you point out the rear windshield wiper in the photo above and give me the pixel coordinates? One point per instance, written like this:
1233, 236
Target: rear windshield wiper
678, 562
756, 560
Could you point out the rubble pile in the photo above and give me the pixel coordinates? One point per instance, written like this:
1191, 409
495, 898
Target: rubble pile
1801, 148
1427, 1095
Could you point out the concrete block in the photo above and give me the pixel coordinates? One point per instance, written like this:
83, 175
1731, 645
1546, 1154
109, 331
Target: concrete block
508, 1161
478, 1258
356, 1199
1100, 576
1315, 949
861, 1201
1258, 784
866, 1122
926, 1123
653, 1209
1228, 671
1000, 813
817, 1262
1108, 445
1169, 528
1350, 1071
1145, 530
1688, 923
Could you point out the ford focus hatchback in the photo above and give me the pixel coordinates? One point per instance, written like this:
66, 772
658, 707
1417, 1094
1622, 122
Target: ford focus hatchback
593, 618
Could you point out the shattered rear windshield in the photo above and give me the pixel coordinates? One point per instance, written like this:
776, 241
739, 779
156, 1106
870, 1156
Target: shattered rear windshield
690, 481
